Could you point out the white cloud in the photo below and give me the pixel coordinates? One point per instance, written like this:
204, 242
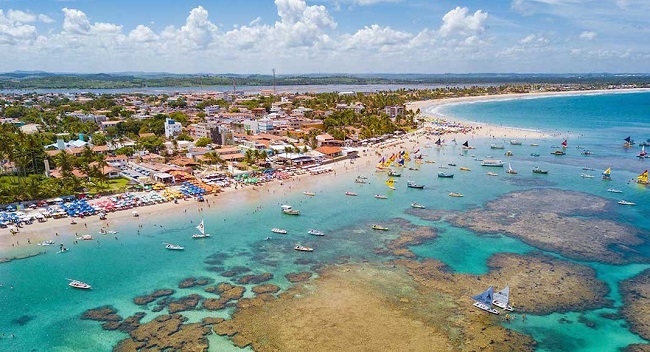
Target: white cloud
142, 34
13, 31
377, 37
75, 22
457, 21
588, 35
20, 16
45, 18
533, 39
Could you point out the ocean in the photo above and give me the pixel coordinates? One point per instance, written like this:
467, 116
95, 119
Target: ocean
43, 313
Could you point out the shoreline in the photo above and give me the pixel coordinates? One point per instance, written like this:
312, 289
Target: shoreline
17, 246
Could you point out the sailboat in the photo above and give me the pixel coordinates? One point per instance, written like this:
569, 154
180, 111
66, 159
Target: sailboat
201, 234
467, 146
511, 170
643, 178
484, 300
628, 142
390, 183
564, 144
607, 174
501, 298
642, 153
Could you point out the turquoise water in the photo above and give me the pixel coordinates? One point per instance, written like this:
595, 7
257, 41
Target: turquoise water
43, 313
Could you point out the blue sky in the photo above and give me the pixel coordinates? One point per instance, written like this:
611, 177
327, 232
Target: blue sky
326, 36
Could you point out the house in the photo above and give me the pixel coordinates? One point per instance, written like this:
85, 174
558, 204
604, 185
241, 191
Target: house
330, 152
324, 139
394, 111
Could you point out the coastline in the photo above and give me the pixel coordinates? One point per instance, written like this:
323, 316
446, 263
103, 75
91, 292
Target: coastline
17, 245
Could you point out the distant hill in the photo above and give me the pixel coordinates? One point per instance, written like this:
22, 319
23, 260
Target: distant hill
48, 80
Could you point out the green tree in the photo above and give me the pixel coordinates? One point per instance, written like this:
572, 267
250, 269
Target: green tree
202, 142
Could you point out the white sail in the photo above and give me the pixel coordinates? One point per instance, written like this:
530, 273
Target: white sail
201, 227
502, 296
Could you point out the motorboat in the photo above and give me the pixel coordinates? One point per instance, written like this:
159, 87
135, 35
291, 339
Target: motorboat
289, 210
316, 232
303, 248
462, 168
624, 202
380, 196
586, 176
417, 205
411, 184
280, 231
350, 194
515, 142
454, 194
379, 227
445, 175
394, 173
173, 247
613, 190
558, 152
492, 163
311, 194
492, 174
78, 284
534, 154
537, 170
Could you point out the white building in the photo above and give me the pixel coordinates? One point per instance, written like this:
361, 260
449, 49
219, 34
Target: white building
172, 128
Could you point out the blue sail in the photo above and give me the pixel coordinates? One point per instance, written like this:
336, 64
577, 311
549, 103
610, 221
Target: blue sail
485, 297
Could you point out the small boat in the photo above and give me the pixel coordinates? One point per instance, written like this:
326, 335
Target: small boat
492, 163
289, 210
508, 153
316, 232
417, 205
201, 234
360, 180
511, 170
380, 196
586, 152
311, 194
515, 142
534, 154
173, 247
394, 173
613, 190
78, 284
451, 164
501, 298
484, 300
492, 174
280, 231
445, 175
607, 174
624, 202
586, 176
46, 243
303, 248
495, 146
85, 237
411, 184
558, 152
462, 168
537, 170
454, 194
350, 194
588, 168
379, 227
534, 144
